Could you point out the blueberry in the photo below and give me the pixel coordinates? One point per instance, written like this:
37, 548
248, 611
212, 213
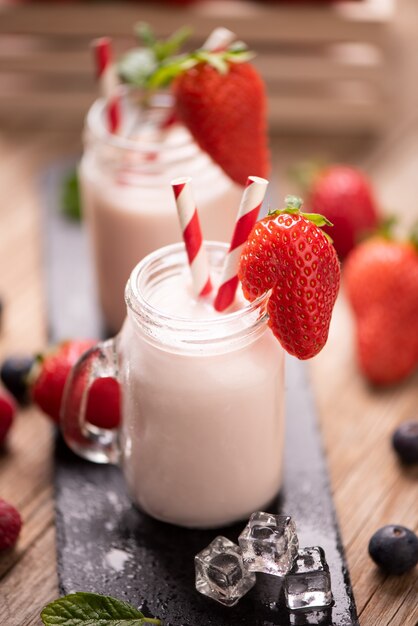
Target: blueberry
14, 372
394, 549
405, 441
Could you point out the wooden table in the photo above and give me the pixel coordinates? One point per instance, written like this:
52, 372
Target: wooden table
371, 488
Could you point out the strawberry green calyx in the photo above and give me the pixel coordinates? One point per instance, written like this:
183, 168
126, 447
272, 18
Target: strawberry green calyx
386, 227
293, 205
413, 236
158, 62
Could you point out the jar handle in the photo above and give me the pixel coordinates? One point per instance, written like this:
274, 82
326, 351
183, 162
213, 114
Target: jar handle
100, 445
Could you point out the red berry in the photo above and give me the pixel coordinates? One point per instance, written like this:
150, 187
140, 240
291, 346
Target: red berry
289, 254
226, 114
381, 279
48, 379
7, 413
344, 195
10, 525
103, 403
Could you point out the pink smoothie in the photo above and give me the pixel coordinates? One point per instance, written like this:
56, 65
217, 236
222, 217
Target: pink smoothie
130, 210
203, 426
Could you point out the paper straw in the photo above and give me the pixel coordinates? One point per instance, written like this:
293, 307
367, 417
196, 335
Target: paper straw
192, 235
106, 74
251, 202
219, 39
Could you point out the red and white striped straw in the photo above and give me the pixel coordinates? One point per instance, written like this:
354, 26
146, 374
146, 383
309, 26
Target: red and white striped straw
251, 202
106, 74
219, 39
192, 235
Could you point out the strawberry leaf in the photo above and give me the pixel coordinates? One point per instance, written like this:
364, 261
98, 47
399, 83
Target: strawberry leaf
216, 60
413, 236
293, 205
317, 219
91, 609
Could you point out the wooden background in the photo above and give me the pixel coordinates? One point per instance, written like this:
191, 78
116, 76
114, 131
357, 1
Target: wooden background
370, 487
325, 65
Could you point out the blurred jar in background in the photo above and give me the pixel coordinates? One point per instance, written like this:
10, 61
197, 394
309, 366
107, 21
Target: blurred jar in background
127, 199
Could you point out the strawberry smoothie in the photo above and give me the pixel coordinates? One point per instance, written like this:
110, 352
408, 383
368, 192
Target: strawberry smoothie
128, 203
203, 422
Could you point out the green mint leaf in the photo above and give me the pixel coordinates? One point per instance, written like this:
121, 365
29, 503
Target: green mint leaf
158, 64
169, 70
137, 66
145, 34
70, 197
92, 609
171, 46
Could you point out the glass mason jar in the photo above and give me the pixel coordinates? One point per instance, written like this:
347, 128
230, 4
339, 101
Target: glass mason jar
127, 198
201, 440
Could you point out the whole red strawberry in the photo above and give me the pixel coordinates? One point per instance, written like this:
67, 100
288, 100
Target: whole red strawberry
288, 253
345, 196
10, 525
50, 373
7, 414
226, 114
103, 403
381, 279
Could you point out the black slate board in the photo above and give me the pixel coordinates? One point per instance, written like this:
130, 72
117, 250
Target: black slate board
107, 546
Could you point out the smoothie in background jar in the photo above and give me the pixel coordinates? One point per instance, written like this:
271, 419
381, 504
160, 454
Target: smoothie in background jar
127, 200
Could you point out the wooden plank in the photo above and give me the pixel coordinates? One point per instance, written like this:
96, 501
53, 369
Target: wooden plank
274, 66
31, 584
251, 20
291, 74
296, 113
354, 417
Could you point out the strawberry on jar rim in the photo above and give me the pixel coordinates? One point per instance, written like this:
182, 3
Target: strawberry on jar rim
288, 253
225, 111
218, 95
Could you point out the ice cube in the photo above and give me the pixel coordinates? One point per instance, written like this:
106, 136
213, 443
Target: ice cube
313, 617
269, 543
221, 574
308, 585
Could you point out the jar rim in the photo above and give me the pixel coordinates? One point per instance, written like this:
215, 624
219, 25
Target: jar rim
96, 126
246, 319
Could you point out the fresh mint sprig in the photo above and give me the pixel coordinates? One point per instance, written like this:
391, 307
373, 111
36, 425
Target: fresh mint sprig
158, 62
92, 609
